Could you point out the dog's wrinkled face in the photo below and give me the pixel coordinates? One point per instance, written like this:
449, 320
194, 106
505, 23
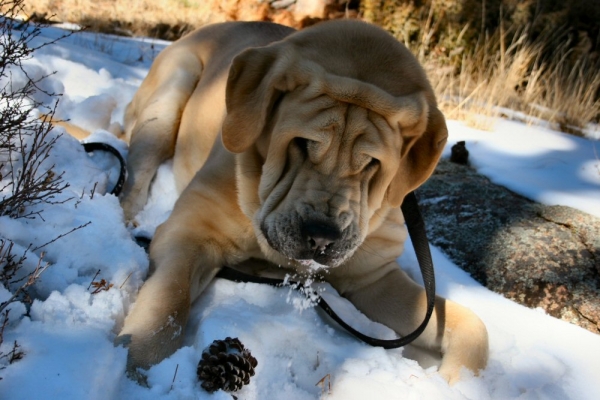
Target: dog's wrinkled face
324, 176
327, 145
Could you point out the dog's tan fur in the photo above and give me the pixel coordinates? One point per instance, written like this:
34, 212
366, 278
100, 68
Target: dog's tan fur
288, 146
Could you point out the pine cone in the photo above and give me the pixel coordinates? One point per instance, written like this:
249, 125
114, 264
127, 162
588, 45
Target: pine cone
226, 365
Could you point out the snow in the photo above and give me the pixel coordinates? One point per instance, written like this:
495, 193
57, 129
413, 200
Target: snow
67, 335
544, 165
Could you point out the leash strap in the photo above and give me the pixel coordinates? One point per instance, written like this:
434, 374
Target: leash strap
416, 230
93, 146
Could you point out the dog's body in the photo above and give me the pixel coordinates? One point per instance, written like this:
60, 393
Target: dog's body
305, 145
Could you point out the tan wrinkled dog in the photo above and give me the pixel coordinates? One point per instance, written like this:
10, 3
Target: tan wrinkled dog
288, 147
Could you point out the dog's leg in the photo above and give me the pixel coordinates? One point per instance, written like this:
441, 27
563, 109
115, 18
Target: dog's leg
373, 281
153, 123
183, 263
387, 295
201, 235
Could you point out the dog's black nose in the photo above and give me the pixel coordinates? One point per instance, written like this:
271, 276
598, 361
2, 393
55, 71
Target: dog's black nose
319, 235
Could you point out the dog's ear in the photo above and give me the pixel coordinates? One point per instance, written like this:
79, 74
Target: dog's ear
419, 156
257, 78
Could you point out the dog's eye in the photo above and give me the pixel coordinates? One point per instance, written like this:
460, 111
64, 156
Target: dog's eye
374, 163
302, 144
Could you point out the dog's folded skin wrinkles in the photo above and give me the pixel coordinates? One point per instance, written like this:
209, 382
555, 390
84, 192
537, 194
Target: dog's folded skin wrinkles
288, 146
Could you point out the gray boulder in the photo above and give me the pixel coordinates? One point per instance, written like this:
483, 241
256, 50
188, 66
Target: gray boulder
537, 255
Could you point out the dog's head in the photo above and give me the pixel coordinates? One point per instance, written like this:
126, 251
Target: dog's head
335, 124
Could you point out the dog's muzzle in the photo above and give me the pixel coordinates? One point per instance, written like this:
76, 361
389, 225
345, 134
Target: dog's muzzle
320, 240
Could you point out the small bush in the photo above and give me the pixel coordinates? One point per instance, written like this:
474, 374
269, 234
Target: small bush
27, 185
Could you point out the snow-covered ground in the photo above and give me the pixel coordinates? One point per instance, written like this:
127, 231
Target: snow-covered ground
67, 336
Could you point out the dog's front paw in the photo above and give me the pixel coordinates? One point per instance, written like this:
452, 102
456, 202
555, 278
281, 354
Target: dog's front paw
130, 210
467, 347
133, 371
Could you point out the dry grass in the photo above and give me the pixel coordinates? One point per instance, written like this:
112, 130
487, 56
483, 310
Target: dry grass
505, 70
477, 78
148, 11
136, 17
495, 77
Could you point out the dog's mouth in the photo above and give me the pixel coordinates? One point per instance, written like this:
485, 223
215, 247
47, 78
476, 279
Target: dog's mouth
320, 259
315, 244
312, 265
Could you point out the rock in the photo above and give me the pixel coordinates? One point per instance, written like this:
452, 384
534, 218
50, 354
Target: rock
537, 255
459, 153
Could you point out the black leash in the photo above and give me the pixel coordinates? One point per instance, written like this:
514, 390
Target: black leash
91, 147
416, 230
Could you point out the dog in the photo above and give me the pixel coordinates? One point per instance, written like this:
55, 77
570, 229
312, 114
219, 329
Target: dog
296, 149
